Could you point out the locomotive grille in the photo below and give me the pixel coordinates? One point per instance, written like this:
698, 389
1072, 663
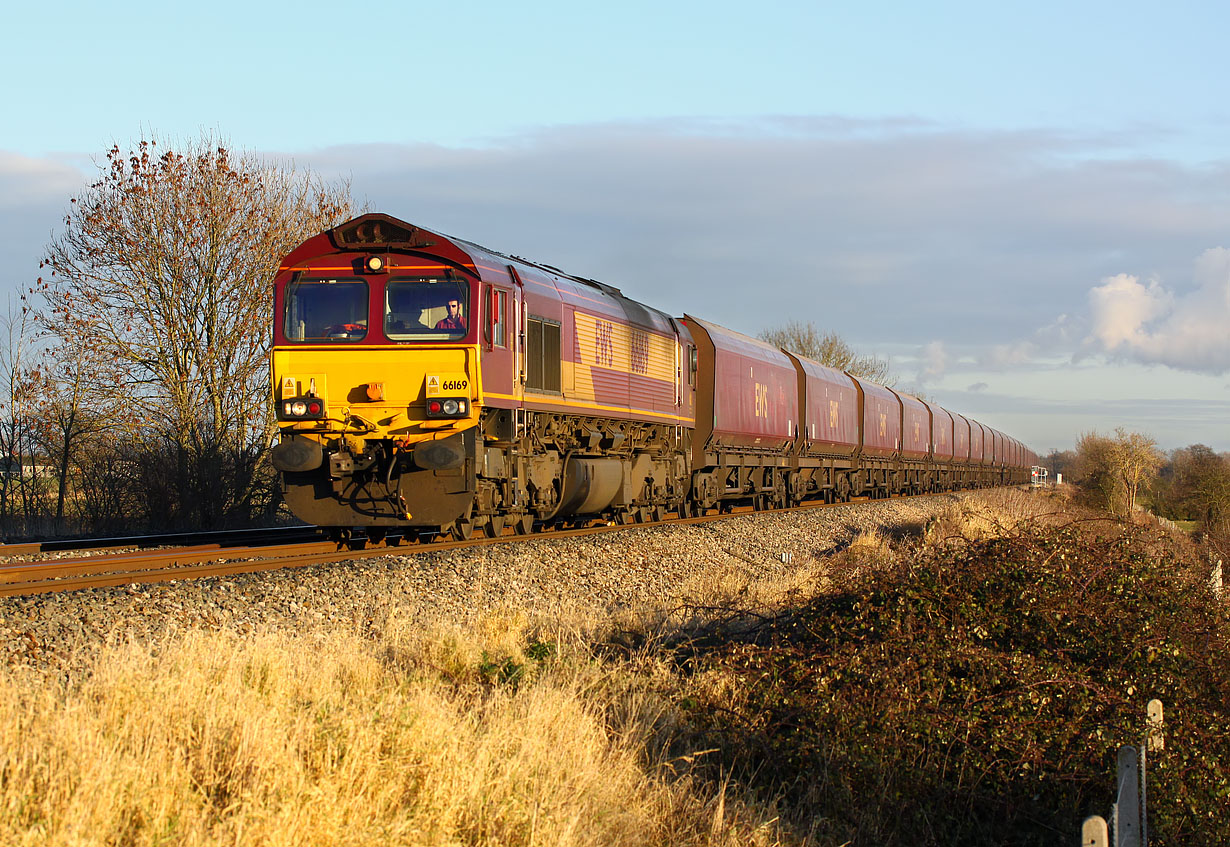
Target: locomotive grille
542, 353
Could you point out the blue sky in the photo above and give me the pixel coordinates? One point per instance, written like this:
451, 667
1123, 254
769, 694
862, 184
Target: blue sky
1023, 208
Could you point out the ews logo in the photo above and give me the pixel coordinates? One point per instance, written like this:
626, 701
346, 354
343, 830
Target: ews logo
604, 344
762, 399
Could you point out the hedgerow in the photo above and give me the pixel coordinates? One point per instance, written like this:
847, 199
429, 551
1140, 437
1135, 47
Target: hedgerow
978, 694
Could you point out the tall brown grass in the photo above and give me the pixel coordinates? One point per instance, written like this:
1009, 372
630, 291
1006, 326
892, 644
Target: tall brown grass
213, 739
989, 514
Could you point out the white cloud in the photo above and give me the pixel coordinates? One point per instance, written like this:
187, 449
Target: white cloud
1146, 321
934, 361
1006, 355
25, 181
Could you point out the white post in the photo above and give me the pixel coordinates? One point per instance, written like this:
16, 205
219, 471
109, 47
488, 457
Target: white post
1155, 742
1094, 832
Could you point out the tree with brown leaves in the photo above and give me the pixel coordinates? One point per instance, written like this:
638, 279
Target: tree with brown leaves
160, 282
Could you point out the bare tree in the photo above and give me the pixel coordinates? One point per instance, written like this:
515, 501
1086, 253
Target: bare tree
828, 349
17, 494
160, 283
66, 420
1136, 461
1116, 468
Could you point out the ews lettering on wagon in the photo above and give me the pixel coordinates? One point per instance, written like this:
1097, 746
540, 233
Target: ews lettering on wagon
762, 399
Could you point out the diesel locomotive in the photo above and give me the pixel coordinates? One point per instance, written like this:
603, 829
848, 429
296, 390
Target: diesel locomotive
421, 381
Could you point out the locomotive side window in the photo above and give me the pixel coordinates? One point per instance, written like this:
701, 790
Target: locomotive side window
426, 309
325, 310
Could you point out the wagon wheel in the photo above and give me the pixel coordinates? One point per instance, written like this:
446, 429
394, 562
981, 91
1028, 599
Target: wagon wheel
494, 527
656, 514
781, 494
642, 514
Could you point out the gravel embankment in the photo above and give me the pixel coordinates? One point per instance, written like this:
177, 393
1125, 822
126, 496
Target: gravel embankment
641, 569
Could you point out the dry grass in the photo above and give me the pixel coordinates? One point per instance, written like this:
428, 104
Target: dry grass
412, 740
987, 514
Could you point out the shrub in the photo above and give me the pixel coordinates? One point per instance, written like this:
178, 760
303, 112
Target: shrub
979, 694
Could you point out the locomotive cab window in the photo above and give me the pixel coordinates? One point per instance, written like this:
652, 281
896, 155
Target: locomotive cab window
497, 304
325, 311
427, 309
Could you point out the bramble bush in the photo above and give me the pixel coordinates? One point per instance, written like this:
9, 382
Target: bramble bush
979, 695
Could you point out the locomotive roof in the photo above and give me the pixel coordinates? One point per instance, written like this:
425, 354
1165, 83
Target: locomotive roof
377, 231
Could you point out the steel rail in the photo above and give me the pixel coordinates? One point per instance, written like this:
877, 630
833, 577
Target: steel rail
153, 566
221, 538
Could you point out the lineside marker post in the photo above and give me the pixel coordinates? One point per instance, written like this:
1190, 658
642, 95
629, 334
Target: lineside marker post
1127, 806
1094, 832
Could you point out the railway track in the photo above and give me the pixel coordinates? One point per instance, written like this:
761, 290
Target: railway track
125, 567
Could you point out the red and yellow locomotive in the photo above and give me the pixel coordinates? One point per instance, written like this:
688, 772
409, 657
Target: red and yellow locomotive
423, 381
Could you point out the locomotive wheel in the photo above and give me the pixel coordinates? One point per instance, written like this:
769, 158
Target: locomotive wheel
463, 529
494, 527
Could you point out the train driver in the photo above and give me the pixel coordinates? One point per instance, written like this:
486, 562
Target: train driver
454, 321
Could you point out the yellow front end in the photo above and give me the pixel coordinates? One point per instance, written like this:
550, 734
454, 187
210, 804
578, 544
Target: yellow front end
392, 439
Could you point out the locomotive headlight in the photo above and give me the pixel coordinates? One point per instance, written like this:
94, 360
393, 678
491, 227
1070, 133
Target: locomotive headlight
298, 408
375, 264
450, 407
